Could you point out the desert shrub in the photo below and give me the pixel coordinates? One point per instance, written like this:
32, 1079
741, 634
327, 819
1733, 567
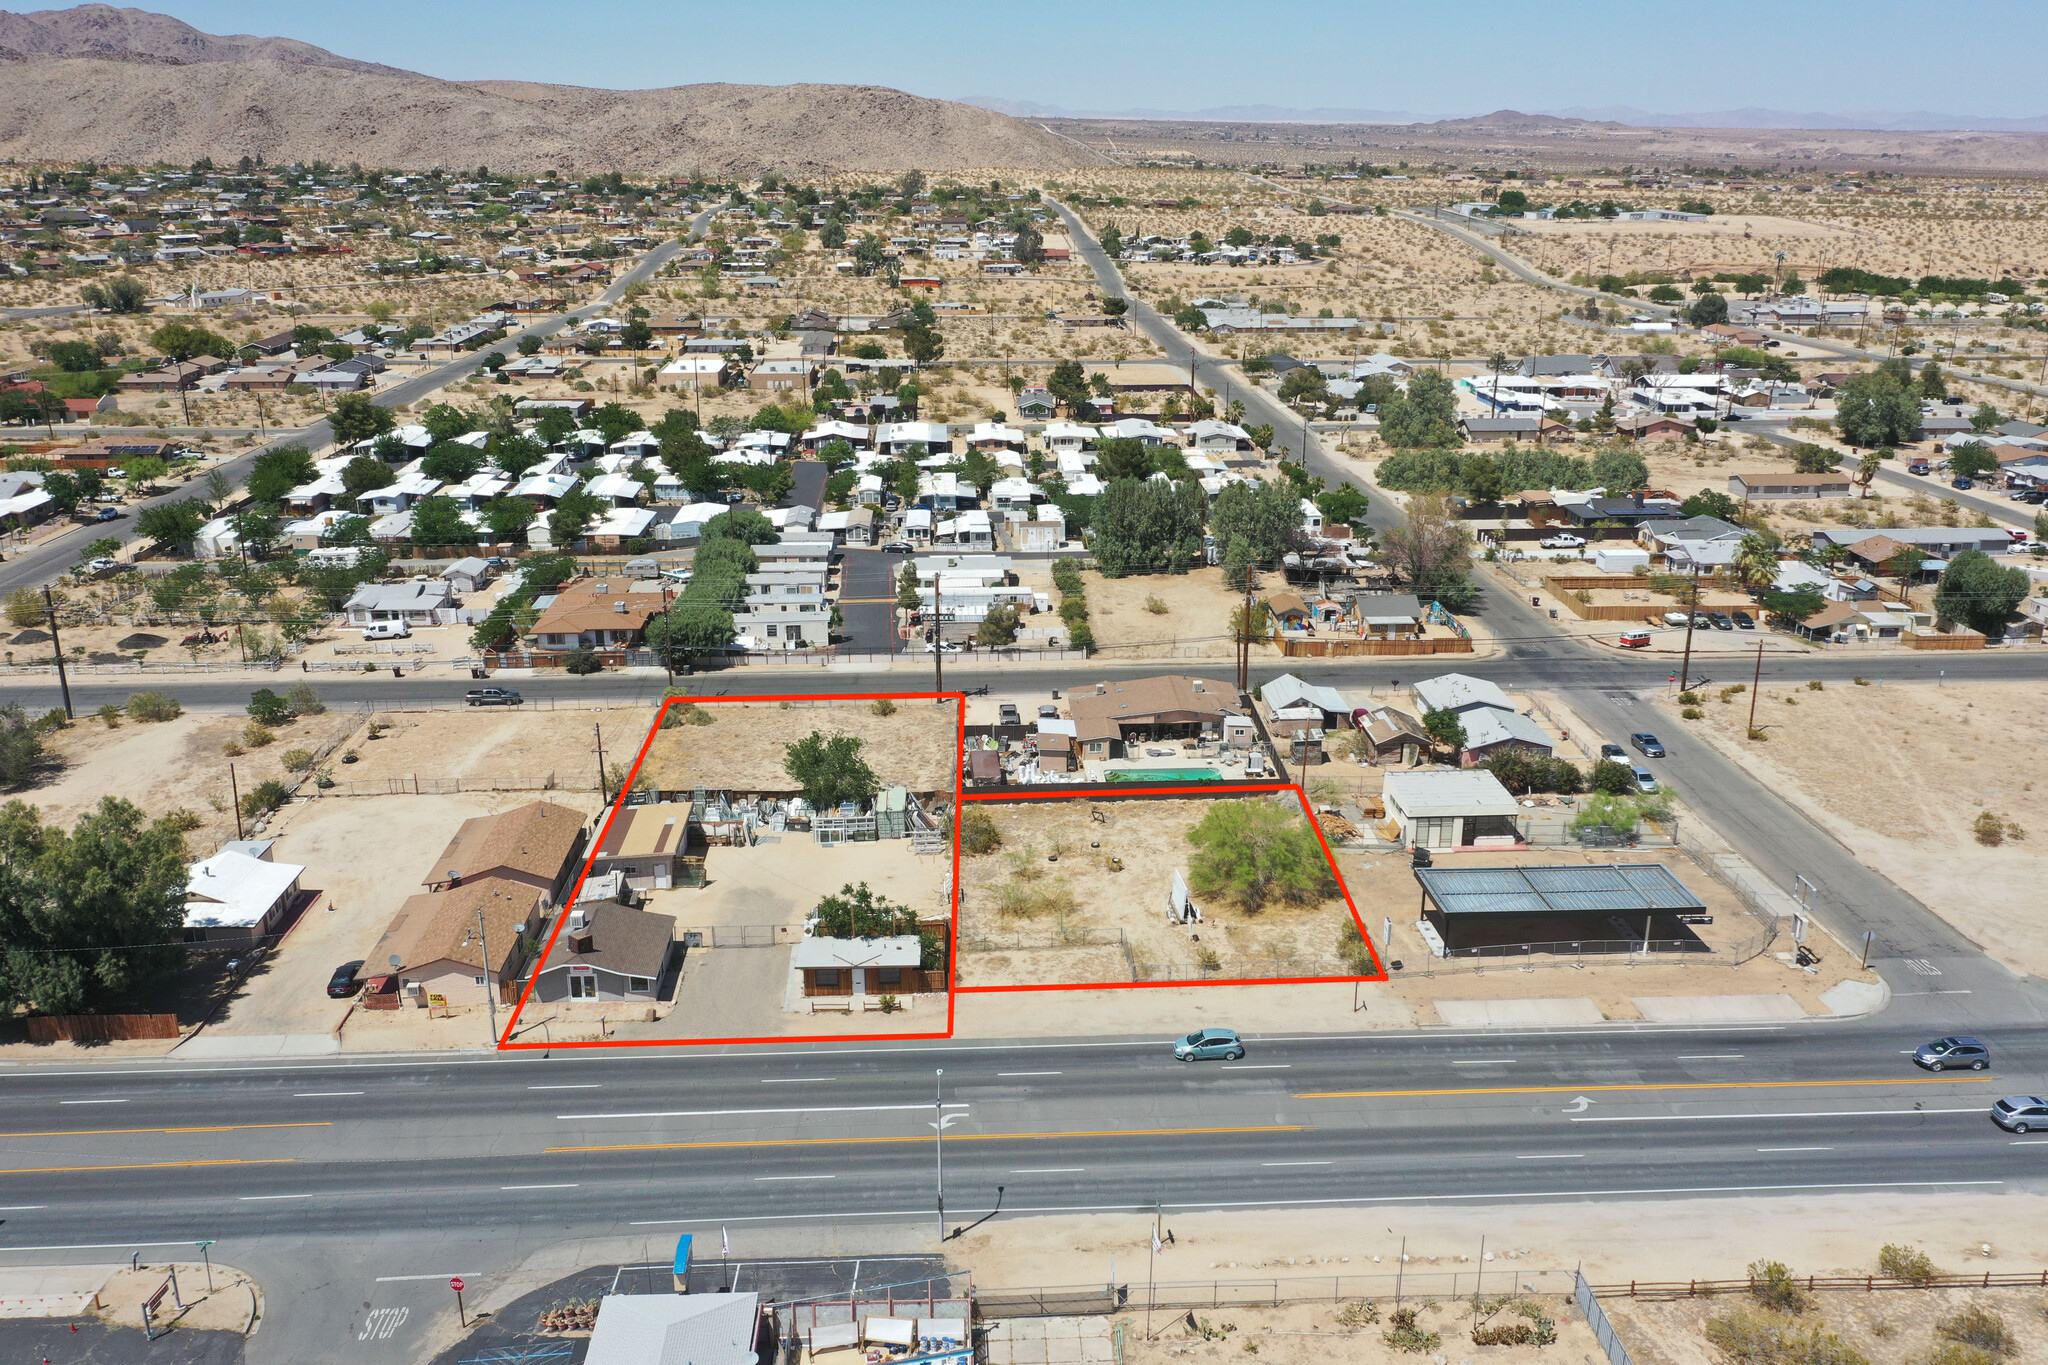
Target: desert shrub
883, 707
1958, 1353
1861, 682
1506, 1334
686, 713
978, 832
1816, 686
1404, 1335
1256, 853
1352, 947
268, 794
233, 748
1754, 1336
1773, 1286
1905, 1263
183, 819
1978, 1327
1363, 1313
110, 715
255, 735
582, 662
267, 708
304, 700
154, 706
1692, 713
1155, 606
1688, 698
1732, 691
1989, 829
296, 760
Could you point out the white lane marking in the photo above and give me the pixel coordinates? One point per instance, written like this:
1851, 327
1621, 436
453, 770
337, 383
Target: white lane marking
21, 1208
102, 1246
1803, 1114
1258, 1066
323, 1094
257, 1198
537, 1187
1554, 1156
1933, 992
795, 1177
1294, 1163
2023, 1142
92, 1101
713, 1220
797, 1080
591, 1086
1030, 1073
451, 1275
729, 1113
1795, 1149
1486, 1061
1712, 1057
1047, 1170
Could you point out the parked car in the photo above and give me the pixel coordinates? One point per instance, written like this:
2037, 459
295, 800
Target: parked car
1646, 744
1634, 639
102, 565
1563, 542
1613, 753
388, 630
1645, 783
1047, 711
1953, 1054
1743, 620
1962, 483
1006, 714
942, 647
898, 547
493, 696
2020, 1113
345, 982
1920, 467
1722, 620
1203, 1044
110, 514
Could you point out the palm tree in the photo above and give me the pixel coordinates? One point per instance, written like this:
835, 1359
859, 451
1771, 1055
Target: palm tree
1866, 470
1756, 561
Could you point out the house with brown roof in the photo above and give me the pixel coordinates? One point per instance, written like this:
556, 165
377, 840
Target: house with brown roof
536, 845
462, 943
1109, 715
646, 844
1654, 427
610, 952
594, 613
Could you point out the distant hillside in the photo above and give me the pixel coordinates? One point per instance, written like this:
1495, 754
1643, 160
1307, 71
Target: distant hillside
125, 85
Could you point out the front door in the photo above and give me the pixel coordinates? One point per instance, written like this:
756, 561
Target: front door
583, 986
860, 981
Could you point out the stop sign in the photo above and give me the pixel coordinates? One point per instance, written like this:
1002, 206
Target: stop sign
456, 1284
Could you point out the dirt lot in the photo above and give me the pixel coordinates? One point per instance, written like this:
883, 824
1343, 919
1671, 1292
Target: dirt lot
1070, 880
1313, 1333
1894, 1328
917, 746
1901, 774
486, 745
1195, 622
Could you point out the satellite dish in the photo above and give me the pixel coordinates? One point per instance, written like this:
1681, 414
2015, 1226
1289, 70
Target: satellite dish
395, 960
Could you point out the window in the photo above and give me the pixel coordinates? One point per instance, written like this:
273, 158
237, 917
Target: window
638, 983
890, 976
827, 977
582, 986
771, 632
476, 981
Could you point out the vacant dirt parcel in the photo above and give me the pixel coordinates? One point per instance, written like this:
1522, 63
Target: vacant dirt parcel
1077, 892
739, 746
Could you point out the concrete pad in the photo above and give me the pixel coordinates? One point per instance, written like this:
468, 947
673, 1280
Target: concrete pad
1716, 1009
1536, 1013
52, 1291
260, 1045
1846, 998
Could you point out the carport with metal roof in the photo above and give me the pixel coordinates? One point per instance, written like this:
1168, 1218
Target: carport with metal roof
1556, 904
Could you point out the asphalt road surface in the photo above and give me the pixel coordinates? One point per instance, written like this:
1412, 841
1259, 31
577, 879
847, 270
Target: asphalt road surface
357, 1187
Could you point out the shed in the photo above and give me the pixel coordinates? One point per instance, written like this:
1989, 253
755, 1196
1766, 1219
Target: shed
1619, 560
1447, 810
864, 966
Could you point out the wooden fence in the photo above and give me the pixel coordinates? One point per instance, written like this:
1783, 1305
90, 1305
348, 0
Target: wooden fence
1962, 639
82, 1028
1324, 648
1667, 1290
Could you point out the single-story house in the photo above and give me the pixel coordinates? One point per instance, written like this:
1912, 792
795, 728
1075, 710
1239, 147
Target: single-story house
1389, 615
461, 943
534, 845
595, 614
238, 895
645, 843
1393, 734
1787, 486
1109, 715
1289, 695
1461, 693
864, 966
682, 1329
1655, 427
1489, 731
609, 952
1452, 810
414, 603
467, 574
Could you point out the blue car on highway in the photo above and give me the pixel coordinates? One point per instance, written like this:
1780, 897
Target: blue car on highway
1209, 1043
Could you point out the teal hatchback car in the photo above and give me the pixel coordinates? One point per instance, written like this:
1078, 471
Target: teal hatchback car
1209, 1043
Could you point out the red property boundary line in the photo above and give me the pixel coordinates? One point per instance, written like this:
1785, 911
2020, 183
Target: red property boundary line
1195, 792
505, 1043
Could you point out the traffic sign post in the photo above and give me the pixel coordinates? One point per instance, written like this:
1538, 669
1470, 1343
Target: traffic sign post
456, 1285
209, 1263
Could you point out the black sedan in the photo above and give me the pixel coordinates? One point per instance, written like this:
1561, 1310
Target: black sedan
345, 982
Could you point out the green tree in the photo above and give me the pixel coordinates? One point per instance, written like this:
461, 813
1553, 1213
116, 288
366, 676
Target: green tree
445, 422
1257, 853
76, 357
1613, 779
1426, 415
89, 915
438, 521
998, 629
1343, 505
1756, 561
1986, 418
1446, 728
1432, 552
1145, 526
1708, 310
830, 770
121, 294
1933, 383
907, 596
743, 524
1978, 592
1191, 319
278, 471
179, 341
64, 492
507, 518
1711, 502
1972, 460
1264, 518
354, 418
21, 742
1620, 471
1876, 410
1808, 458
267, 708
452, 462
857, 912
172, 523
361, 475
1479, 477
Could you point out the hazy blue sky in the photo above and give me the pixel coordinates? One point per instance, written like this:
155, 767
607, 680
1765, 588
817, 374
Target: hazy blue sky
1432, 59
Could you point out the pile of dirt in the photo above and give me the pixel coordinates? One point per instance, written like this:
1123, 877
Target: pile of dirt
141, 639
31, 637
122, 105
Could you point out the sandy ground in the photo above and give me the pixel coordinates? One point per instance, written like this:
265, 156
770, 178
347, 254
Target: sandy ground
486, 745
1299, 1334
1900, 774
742, 749
1082, 878
234, 1302
1895, 1328
1194, 625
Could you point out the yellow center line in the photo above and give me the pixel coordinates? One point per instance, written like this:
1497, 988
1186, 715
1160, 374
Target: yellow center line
212, 1128
1657, 1085
955, 1137
149, 1166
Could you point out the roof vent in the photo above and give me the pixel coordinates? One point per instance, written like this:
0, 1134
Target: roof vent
619, 607
580, 942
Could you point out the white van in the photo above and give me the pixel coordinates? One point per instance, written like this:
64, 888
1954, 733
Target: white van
388, 630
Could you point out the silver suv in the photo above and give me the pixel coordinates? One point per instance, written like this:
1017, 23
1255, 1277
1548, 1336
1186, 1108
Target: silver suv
2021, 1113
1953, 1054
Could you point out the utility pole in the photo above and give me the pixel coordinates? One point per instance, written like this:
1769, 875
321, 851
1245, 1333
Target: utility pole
603, 790
1691, 615
490, 986
1244, 637
939, 1143
235, 795
57, 647
1756, 684
938, 644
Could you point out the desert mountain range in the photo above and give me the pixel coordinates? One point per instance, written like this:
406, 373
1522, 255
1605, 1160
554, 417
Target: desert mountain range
126, 85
